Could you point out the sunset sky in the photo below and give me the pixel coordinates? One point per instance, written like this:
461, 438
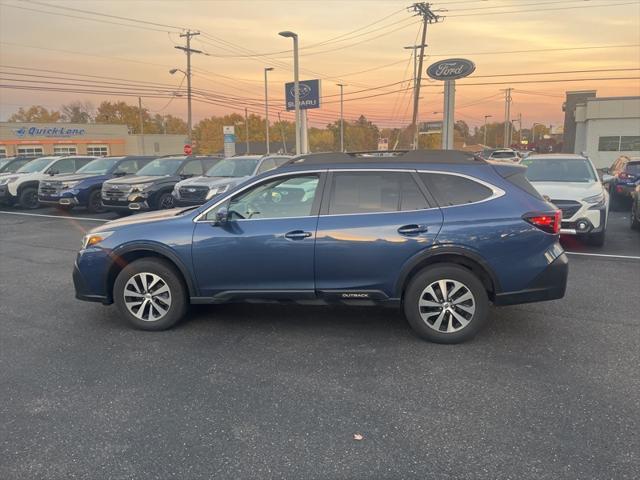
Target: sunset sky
75, 50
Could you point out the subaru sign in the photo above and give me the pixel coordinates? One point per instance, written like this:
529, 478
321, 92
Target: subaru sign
451, 69
309, 94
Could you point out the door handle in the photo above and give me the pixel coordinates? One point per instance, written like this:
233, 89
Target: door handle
413, 229
297, 235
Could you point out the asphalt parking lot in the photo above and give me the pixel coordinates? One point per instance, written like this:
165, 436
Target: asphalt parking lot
547, 391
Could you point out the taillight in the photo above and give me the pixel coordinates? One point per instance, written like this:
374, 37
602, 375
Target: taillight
624, 175
547, 222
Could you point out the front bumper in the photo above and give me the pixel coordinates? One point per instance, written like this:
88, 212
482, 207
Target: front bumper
586, 221
551, 284
90, 273
140, 204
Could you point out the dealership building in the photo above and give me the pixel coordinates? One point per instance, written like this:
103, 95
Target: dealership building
602, 127
83, 139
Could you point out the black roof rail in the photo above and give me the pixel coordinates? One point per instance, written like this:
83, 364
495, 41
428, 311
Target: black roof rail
400, 156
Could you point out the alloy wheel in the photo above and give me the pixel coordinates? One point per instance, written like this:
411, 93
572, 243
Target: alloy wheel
447, 306
166, 202
147, 296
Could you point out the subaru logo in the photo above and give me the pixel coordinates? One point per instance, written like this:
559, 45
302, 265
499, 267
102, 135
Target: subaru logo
304, 89
191, 190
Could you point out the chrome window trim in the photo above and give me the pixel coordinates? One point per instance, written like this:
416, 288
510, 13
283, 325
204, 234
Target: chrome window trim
496, 192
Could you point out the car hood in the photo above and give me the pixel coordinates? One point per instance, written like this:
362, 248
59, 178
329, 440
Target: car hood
139, 218
74, 177
211, 181
568, 190
135, 179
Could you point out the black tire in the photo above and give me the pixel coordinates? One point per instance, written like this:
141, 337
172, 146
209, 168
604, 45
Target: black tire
177, 305
28, 198
596, 239
165, 201
635, 223
94, 204
451, 272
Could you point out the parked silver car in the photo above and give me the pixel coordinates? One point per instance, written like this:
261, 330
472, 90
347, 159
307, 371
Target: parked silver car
224, 175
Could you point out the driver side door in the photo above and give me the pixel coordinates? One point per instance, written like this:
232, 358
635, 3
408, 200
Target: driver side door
265, 248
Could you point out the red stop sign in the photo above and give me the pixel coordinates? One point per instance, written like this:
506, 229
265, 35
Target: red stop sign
188, 150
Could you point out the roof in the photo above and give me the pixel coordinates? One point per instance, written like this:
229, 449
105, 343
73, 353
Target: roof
554, 156
396, 156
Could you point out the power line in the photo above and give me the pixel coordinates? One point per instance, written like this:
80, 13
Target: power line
537, 50
544, 10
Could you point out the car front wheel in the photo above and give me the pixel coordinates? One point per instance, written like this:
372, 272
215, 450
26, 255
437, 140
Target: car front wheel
150, 294
446, 303
28, 198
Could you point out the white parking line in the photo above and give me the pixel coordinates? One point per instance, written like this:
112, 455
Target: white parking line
55, 216
604, 255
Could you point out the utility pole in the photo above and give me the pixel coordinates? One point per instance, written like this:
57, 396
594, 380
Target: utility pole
284, 140
415, 77
424, 10
246, 127
485, 129
507, 117
341, 85
266, 106
141, 122
519, 130
188, 50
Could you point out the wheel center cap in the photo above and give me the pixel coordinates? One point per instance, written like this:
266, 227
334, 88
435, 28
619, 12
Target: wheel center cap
148, 296
446, 305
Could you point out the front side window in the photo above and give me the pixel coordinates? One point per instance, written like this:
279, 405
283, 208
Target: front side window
99, 166
374, 192
452, 190
266, 165
66, 165
559, 170
161, 166
127, 167
280, 198
609, 144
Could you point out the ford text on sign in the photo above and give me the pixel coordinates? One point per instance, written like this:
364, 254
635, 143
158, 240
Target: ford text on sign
451, 69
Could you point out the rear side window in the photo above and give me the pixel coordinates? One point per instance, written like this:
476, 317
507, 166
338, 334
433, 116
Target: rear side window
374, 192
633, 168
450, 190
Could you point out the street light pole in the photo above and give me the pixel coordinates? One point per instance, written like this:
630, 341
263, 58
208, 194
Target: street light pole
266, 106
341, 85
188, 50
246, 127
485, 129
296, 87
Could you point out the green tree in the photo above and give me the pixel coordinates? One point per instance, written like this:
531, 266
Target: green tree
36, 113
77, 112
123, 114
169, 124
358, 135
321, 140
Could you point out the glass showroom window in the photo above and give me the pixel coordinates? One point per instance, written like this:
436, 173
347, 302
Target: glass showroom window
98, 150
30, 150
609, 144
630, 144
3, 152
65, 150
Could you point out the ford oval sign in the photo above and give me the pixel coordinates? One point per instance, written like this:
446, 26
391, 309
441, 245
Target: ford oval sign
451, 69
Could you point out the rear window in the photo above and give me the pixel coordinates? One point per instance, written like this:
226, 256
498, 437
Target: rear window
451, 190
502, 155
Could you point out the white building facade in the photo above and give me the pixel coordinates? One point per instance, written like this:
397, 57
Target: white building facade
607, 128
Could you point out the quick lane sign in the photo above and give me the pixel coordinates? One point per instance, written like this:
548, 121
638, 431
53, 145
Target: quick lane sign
49, 132
309, 94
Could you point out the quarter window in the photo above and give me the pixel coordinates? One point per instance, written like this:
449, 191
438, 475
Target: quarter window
450, 190
284, 197
374, 192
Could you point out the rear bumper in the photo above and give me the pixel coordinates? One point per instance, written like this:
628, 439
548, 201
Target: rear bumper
623, 189
551, 284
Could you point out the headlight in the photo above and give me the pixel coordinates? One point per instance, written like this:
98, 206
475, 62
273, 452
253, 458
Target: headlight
140, 187
92, 239
599, 198
217, 190
6, 180
67, 185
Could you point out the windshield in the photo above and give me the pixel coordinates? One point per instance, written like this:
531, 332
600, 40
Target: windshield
99, 166
233, 167
15, 165
35, 165
161, 166
4, 161
559, 170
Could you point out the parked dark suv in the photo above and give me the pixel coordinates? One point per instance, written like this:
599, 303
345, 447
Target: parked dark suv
626, 173
150, 188
82, 189
439, 232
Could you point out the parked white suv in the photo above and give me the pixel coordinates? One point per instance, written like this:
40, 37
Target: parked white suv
21, 187
504, 155
572, 184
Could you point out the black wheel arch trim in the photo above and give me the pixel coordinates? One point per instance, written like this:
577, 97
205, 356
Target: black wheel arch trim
441, 250
29, 184
156, 248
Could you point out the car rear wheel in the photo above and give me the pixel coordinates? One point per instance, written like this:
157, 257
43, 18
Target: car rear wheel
94, 204
28, 198
446, 303
150, 294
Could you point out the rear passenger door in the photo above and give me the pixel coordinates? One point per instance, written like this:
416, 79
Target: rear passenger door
371, 223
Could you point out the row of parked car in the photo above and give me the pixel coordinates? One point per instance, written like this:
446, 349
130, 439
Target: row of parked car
125, 184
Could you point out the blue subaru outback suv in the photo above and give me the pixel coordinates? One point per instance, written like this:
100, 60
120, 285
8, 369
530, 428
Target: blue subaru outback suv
440, 233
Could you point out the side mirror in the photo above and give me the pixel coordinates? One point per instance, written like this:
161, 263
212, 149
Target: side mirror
53, 172
222, 216
186, 175
606, 178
